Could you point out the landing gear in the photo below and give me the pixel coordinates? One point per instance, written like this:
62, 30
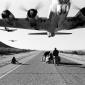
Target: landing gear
9, 30
50, 34
6, 29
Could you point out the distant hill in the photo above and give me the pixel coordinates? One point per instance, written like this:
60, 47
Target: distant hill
5, 49
76, 52
4, 45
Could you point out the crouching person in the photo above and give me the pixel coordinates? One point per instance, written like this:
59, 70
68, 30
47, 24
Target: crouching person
47, 59
45, 55
14, 61
51, 58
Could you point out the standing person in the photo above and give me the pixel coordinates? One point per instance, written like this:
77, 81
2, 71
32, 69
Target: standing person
56, 56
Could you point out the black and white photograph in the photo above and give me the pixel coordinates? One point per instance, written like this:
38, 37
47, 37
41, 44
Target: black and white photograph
42, 42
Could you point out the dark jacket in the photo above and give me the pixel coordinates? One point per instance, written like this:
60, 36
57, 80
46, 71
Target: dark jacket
55, 52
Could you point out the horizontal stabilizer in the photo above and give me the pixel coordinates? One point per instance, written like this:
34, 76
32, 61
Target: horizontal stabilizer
62, 33
41, 33
45, 33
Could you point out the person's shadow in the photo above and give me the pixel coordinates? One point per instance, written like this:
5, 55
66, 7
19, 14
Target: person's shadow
18, 63
23, 64
71, 64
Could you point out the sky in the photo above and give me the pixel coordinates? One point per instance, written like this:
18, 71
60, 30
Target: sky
75, 41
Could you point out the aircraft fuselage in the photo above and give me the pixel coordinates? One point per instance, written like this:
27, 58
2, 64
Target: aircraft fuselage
58, 12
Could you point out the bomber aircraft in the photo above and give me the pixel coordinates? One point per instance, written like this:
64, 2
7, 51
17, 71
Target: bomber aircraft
57, 20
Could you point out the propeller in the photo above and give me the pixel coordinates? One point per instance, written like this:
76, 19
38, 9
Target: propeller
24, 9
74, 6
80, 9
7, 6
38, 7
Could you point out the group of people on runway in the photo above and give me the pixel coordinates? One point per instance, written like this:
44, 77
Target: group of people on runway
48, 57
51, 57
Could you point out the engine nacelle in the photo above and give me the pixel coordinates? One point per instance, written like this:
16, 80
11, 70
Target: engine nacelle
32, 13
83, 11
7, 15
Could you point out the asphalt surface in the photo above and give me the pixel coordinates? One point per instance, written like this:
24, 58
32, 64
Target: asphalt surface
34, 72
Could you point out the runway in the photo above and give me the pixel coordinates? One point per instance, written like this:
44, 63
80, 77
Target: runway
32, 71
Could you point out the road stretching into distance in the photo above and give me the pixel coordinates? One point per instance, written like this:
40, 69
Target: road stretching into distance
32, 71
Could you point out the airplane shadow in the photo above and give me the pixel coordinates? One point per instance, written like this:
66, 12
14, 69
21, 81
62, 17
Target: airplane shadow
69, 63
65, 63
72, 65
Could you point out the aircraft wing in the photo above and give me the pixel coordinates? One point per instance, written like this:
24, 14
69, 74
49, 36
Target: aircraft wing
23, 23
16, 23
73, 23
